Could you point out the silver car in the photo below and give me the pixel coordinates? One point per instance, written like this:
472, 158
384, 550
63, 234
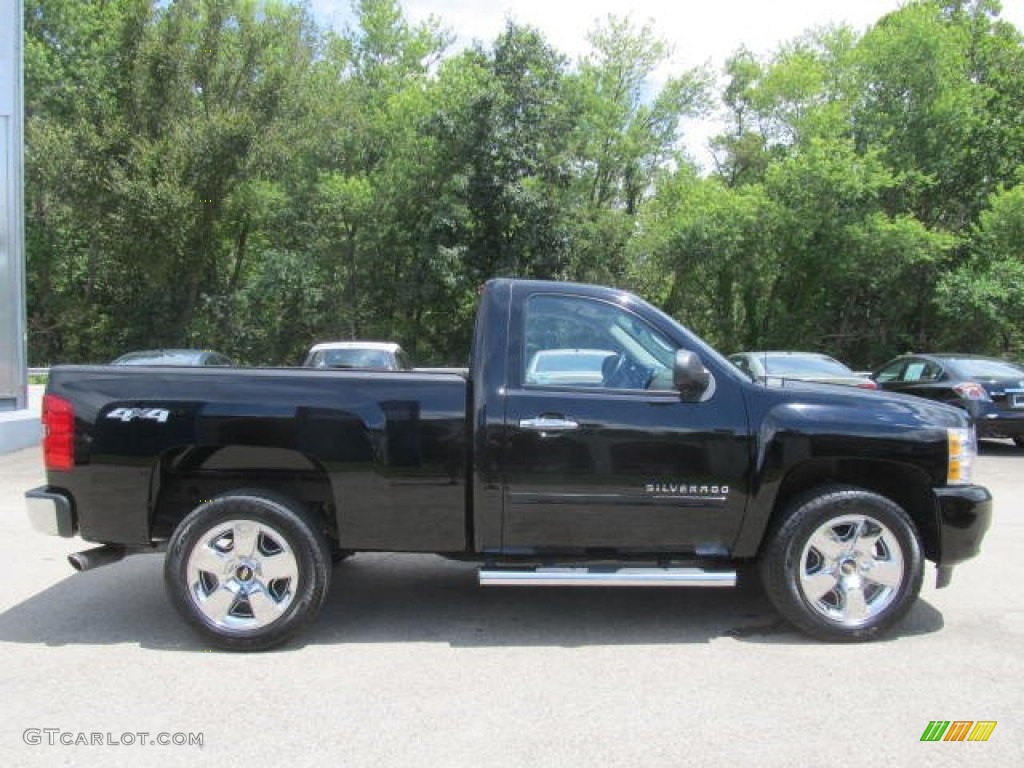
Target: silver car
568, 366
801, 366
375, 355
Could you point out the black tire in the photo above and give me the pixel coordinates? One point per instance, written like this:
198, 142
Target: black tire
1018, 440
255, 599
823, 583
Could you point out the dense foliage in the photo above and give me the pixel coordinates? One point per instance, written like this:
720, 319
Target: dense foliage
224, 173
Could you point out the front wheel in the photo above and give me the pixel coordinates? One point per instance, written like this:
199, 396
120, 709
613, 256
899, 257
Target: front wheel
247, 570
844, 565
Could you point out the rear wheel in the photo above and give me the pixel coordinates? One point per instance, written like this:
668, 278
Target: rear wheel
1019, 441
844, 565
247, 570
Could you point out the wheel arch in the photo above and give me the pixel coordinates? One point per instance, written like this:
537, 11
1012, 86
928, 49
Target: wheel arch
186, 477
906, 485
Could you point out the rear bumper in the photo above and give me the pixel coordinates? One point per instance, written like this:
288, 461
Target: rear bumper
965, 513
996, 423
50, 512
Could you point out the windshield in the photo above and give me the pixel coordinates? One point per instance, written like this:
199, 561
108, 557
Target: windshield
354, 358
647, 345
693, 342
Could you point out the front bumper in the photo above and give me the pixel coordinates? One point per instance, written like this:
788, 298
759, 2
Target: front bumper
965, 513
50, 512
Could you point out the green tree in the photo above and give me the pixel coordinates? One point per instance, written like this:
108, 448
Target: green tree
158, 164
706, 255
627, 129
503, 132
941, 91
982, 301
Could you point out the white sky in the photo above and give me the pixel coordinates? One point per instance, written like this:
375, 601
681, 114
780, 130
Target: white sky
699, 31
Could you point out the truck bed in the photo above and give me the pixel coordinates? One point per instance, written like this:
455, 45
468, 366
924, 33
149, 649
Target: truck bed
390, 448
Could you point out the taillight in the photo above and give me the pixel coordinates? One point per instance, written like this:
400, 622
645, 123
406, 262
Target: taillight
971, 390
59, 439
867, 384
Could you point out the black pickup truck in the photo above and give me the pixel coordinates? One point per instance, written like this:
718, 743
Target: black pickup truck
592, 441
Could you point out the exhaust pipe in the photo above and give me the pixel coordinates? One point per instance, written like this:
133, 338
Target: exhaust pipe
94, 558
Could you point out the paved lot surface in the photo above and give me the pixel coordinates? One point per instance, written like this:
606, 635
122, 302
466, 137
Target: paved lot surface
412, 664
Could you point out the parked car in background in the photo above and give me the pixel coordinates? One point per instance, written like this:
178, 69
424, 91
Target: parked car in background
173, 357
569, 366
376, 355
802, 366
989, 389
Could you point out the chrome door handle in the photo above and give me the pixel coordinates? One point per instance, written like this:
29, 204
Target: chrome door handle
548, 424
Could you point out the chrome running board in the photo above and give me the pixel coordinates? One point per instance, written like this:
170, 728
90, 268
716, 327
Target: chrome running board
605, 577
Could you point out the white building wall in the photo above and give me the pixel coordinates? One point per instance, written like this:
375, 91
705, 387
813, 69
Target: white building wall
13, 372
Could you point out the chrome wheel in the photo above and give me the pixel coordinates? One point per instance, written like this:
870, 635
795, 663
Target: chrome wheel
242, 575
844, 564
248, 569
851, 569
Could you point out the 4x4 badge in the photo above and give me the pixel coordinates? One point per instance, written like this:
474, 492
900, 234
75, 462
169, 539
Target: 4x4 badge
148, 414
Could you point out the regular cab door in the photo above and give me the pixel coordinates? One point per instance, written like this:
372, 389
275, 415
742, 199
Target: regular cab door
601, 451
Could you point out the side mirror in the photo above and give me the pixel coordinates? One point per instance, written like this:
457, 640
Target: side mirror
689, 375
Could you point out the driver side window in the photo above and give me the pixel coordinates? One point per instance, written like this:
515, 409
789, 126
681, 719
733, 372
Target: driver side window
584, 343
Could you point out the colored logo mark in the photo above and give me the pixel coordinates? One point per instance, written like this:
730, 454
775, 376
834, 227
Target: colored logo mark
958, 730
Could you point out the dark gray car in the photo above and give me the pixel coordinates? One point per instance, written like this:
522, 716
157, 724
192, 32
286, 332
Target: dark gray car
173, 357
989, 389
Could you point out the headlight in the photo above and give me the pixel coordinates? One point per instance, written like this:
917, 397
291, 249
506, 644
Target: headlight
963, 447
